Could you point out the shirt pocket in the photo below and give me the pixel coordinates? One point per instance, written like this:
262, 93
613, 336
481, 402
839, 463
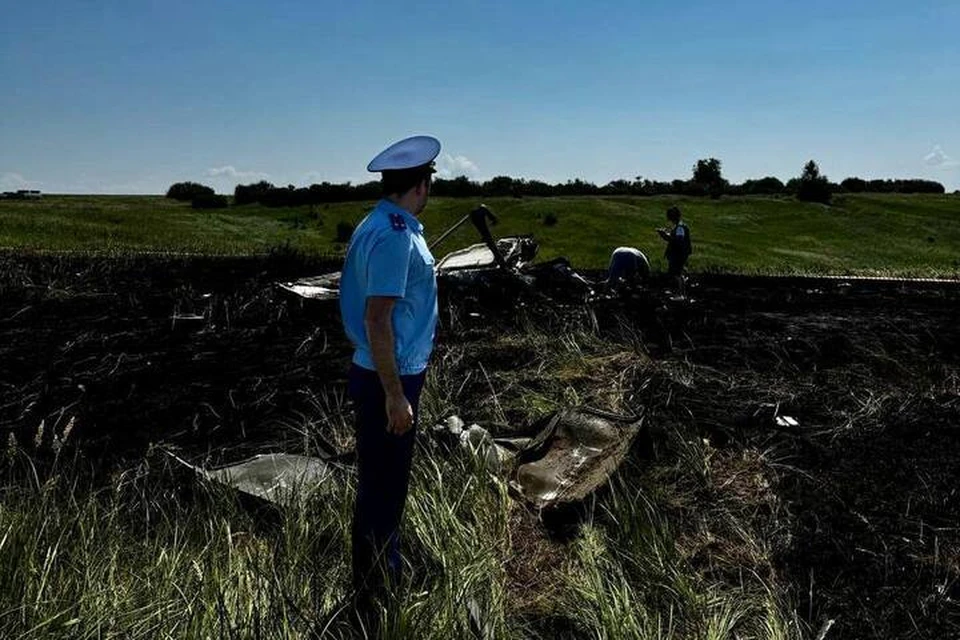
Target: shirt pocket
422, 266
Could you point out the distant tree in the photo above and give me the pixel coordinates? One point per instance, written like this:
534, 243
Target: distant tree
459, 187
209, 201
186, 191
769, 185
854, 185
708, 178
251, 193
368, 190
655, 188
498, 186
281, 196
329, 192
904, 186
679, 187
734, 189
618, 188
577, 187
538, 188
813, 187
923, 186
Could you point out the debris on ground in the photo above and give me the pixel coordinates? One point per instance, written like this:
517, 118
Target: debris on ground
477, 441
278, 478
572, 456
325, 287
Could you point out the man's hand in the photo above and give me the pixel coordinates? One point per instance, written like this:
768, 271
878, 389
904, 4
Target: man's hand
399, 414
377, 320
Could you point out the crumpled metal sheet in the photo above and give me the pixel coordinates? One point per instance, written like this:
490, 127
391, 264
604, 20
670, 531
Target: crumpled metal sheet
573, 456
325, 287
479, 256
275, 477
475, 256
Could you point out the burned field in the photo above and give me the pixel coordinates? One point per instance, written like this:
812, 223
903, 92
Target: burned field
849, 394
800, 433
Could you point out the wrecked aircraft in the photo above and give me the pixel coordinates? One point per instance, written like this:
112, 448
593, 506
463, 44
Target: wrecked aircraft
463, 266
505, 264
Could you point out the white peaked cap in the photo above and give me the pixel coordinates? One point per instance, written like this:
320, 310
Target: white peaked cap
406, 154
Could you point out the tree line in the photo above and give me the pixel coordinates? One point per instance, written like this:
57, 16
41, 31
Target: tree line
706, 181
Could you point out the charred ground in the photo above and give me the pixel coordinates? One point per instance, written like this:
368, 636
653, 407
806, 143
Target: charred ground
852, 509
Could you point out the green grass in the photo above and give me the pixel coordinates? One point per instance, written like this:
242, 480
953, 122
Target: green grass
130, 224
863, 234
135, 559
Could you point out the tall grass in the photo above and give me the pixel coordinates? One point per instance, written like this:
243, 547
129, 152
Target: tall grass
142, 558
150, 555
630, 581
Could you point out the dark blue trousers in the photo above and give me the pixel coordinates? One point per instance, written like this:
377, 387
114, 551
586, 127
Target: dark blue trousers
383, 470
675, 266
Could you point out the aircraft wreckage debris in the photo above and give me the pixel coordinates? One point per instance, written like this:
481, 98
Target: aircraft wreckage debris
467, 264
278, 478
572, 456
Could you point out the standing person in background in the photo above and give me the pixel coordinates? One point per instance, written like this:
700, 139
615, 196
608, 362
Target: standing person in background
388, 301
679, 247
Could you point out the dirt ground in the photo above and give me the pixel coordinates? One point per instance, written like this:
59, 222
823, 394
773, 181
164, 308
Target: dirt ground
861, 503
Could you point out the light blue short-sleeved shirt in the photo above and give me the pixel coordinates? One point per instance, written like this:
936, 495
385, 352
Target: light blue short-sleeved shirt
388, 257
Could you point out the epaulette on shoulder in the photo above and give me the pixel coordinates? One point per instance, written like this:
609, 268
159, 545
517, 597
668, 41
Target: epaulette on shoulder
397, 223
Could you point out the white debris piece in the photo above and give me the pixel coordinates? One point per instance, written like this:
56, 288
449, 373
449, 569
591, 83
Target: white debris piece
275, 477
454, 425
787, 421
480, 443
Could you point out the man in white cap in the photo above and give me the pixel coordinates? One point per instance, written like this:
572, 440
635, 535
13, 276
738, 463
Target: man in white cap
388, 301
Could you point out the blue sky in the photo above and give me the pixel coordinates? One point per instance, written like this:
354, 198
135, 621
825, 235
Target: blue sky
128, 97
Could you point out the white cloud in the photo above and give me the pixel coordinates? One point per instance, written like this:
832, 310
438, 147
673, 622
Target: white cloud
229, 171
450, 166
937, 158
13, 181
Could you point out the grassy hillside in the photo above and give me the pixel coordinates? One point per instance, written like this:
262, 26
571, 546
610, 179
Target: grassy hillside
888, 234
